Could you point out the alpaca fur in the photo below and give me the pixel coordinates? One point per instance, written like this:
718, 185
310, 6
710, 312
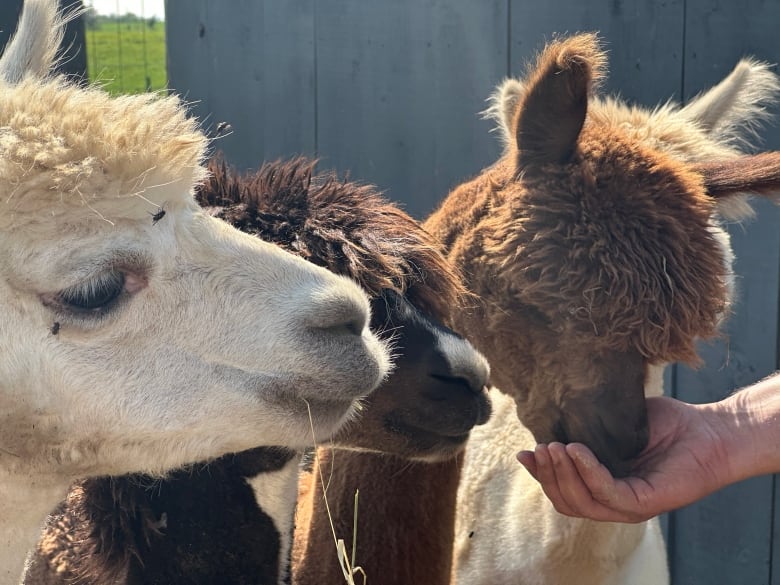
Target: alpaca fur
132, 345
507, 531
714, 125
605, 251
405, 516
231, 520
177, 522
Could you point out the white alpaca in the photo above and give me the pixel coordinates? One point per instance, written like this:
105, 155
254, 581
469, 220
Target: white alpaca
138, 334
507, 531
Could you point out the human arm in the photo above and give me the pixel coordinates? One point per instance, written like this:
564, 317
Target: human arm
693, 450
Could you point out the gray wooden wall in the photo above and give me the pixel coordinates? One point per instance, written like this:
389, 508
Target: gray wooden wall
390, 90
74, 56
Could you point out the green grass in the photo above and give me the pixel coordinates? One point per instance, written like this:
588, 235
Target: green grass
126, 55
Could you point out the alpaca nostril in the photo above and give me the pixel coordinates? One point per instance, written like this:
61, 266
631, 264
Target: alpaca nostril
341, 315
472, 379
350, 327
455, 381
463, 365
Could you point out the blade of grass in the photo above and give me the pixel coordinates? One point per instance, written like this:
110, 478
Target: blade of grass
348, 569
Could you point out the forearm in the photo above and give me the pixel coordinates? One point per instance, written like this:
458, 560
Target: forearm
752, 417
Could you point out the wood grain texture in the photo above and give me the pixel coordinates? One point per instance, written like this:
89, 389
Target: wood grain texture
399, 85
727, 538
251, 66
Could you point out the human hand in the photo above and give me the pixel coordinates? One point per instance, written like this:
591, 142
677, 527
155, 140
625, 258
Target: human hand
685, 460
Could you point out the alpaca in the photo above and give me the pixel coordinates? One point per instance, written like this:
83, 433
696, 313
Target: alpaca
596, 236
230, 520
555, 548
98, 296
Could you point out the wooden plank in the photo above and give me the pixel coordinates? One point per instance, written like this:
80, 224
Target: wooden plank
727, 537
9, 16
189, 52
399, 85
251, 66
644, 39
74, 60
289, 118
775, 562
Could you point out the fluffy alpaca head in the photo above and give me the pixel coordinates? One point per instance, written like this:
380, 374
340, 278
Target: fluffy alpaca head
140, 340
436, 392
594, 250
342, 225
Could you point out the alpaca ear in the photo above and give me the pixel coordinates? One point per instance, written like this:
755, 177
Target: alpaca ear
736, 108
758, 174
552, 111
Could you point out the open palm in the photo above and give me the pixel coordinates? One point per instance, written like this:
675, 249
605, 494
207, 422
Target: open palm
683, 461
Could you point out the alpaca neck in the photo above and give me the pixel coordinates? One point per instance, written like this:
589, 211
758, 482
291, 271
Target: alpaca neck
24, 504
275, 493
406, 519
503, 509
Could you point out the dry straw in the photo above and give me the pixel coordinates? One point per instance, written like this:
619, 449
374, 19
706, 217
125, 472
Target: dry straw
349, 569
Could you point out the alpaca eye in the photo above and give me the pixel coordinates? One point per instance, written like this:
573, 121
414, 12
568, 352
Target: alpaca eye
94, 295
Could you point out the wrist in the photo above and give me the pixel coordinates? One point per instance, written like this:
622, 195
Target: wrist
751, 422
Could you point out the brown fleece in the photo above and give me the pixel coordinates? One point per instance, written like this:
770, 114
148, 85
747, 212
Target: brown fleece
588, 249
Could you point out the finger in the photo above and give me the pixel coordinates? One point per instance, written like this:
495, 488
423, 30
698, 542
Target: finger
573, 489
545, 475
595, 476
529, 461
612, 500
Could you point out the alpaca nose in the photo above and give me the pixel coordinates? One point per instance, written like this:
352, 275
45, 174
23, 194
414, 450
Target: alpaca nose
463, 365
463, 374
340, 310
347, 319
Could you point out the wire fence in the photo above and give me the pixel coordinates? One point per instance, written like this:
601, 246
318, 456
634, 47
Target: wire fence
126, 47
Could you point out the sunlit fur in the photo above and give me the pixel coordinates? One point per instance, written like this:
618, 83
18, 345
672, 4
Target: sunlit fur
231, 519
214, 336
507, 530
716, 124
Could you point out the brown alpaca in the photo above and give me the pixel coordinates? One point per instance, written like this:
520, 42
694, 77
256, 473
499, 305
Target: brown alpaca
594, 257
598, 258
230, 520
406, 519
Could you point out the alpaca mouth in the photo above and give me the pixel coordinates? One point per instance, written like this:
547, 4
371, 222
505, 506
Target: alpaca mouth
426, 439
317, 419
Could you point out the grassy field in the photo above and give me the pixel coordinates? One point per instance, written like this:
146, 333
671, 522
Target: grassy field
126, 55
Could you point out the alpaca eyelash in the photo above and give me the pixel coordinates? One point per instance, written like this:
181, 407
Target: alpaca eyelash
96, 296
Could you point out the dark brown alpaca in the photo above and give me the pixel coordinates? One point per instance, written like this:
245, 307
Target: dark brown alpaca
230, 520
406, 519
